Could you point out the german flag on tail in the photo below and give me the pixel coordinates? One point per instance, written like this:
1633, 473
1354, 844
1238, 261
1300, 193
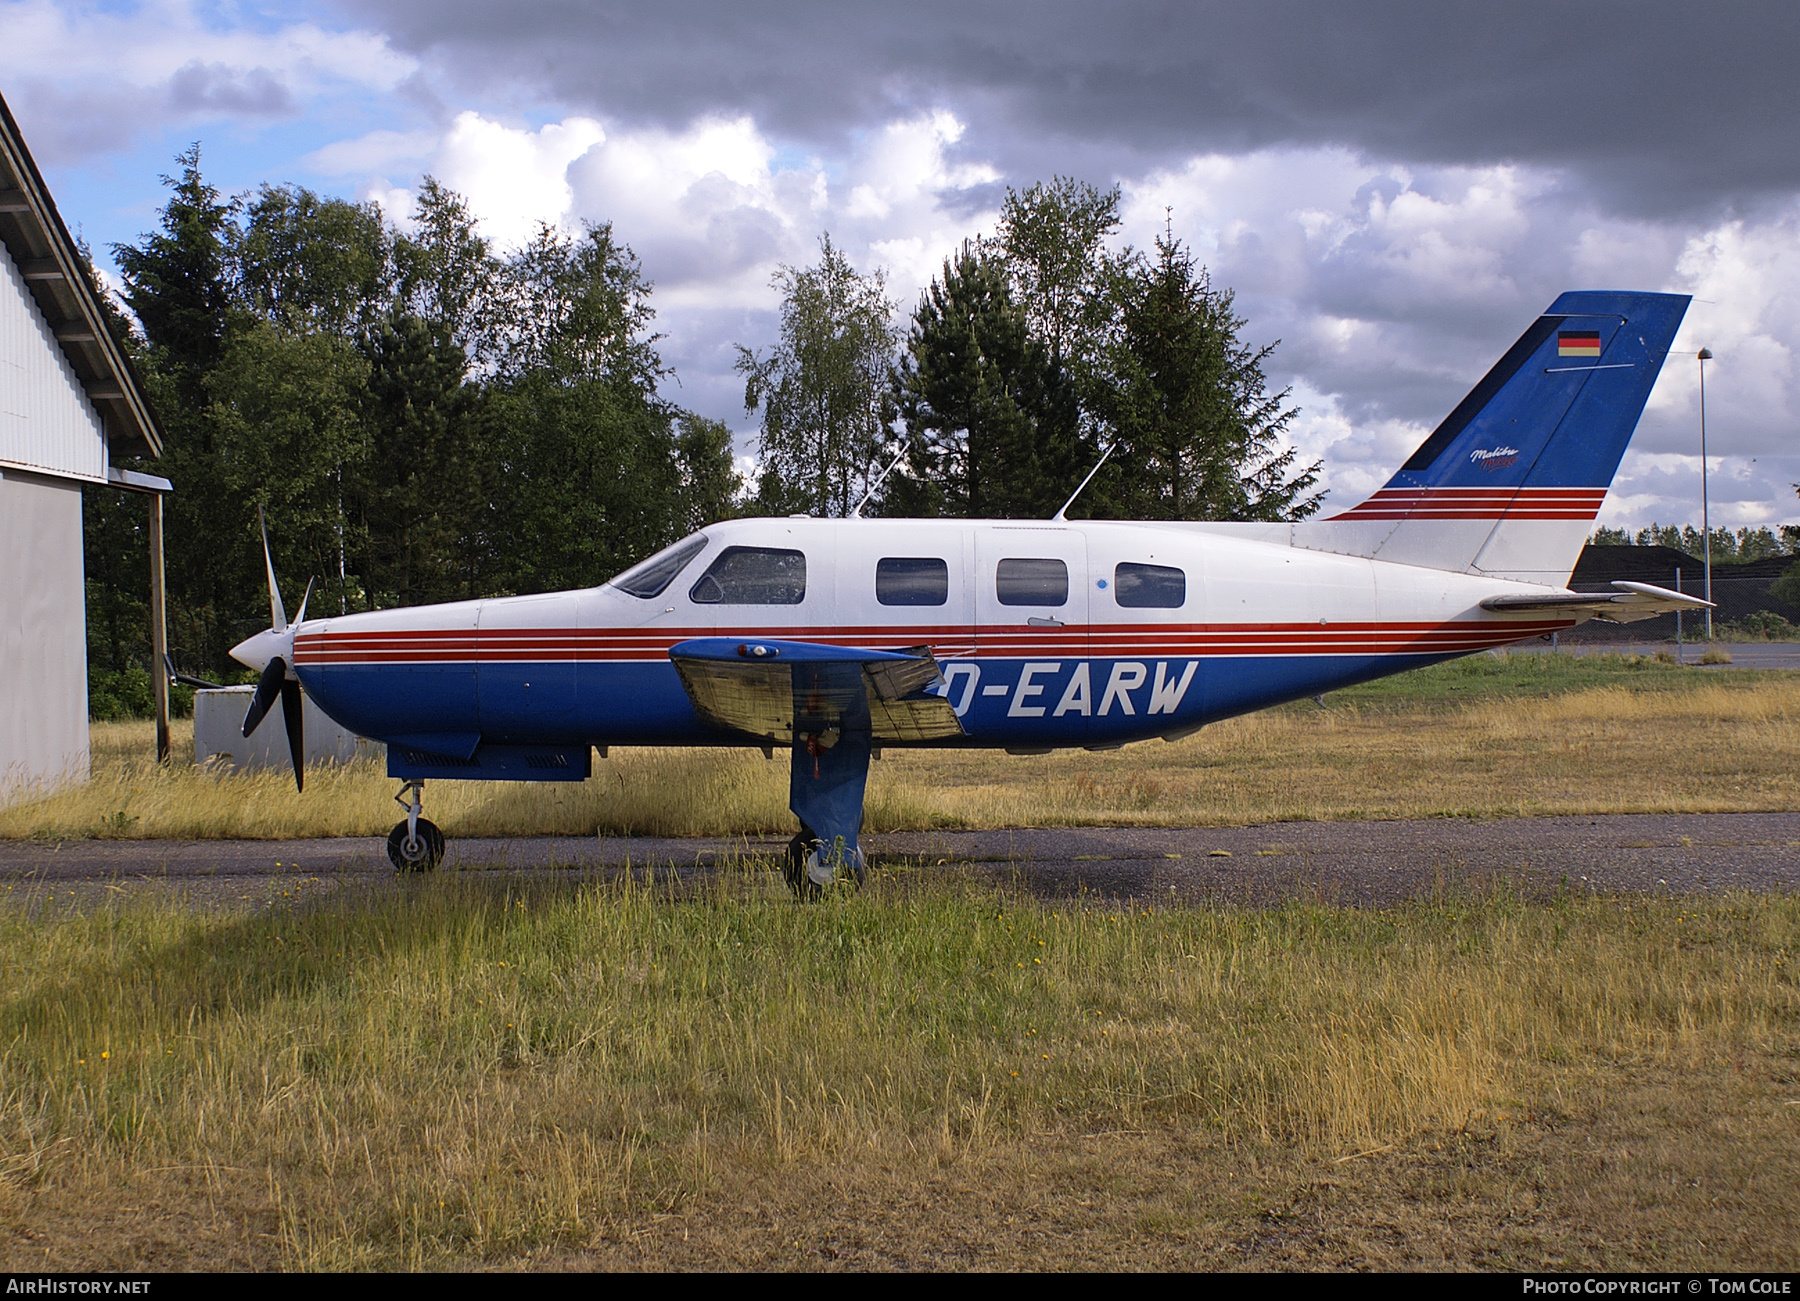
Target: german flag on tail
1578, 343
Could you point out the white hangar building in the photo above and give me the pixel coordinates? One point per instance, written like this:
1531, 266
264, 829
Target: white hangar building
69, 402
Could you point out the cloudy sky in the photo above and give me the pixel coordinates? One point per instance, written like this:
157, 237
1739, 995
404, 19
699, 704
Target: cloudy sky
1393, 189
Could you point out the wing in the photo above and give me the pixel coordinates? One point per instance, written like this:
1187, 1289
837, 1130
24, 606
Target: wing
770, 689
1633, 602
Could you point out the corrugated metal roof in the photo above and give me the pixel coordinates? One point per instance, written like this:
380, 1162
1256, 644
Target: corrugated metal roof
33, 232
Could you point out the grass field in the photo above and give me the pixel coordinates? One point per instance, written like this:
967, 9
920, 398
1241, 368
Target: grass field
1480, 737
469, 1071
493, 1070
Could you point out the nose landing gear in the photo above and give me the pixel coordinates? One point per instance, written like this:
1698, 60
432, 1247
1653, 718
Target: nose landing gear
414, 845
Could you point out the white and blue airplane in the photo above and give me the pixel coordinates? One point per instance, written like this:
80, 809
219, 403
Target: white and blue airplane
833, 638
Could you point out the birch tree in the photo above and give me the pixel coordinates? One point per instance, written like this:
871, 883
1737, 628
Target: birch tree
823, 390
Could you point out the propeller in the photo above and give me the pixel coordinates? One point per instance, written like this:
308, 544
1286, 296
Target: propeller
268, 687
273, 653
187, 679
290, 714
277, 611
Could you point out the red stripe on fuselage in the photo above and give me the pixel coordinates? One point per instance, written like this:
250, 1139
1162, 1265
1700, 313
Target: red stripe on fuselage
1095, 641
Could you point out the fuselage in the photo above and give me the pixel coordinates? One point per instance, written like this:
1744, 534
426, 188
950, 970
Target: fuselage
1049, 635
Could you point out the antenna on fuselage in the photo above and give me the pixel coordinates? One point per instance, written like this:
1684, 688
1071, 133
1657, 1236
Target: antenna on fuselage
879, 480
1058, 517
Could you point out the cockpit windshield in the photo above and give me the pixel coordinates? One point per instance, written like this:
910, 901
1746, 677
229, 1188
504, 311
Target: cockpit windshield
653, 577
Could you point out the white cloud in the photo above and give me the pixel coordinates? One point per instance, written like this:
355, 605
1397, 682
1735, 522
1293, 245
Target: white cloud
709, 209
712, 211
376, 152
89, 78
1746, 285
514, 179
1393, 289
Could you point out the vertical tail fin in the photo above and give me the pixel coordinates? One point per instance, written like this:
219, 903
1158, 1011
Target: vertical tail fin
1509, 484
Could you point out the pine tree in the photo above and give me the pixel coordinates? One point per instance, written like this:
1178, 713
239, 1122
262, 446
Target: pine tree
1198, 432
177, 285
418, 503
175, 282
989, 416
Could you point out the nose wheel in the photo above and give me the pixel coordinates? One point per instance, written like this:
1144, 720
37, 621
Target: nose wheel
421, 852
415, 844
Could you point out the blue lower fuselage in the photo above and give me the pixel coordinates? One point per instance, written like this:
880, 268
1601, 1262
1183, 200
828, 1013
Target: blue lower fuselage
1020, 703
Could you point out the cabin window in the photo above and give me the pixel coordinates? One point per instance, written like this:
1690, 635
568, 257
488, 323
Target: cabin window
1149, 587
753, 576
652, 577
1032, 582
912, 580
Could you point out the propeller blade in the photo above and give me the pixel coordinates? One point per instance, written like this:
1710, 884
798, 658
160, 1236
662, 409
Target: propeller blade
267, 688
301, 617
291, 715
277, 611
186, 679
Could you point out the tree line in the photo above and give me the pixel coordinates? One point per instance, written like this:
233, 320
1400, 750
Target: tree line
423, 417
419, 416
1728, 547
1032, 355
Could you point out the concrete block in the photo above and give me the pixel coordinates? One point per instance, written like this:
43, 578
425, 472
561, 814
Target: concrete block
219, 724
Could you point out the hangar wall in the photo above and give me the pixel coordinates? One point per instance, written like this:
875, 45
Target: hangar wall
46, 420
43, 632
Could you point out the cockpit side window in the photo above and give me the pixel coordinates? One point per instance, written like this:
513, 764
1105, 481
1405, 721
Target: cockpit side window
1149, 587
1032, 582
653, 577
912, 580
753, 576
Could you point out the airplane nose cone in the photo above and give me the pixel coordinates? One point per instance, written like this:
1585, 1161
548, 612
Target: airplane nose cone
256, 652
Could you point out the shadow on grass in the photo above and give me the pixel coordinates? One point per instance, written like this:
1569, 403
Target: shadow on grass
176, 970
183, 969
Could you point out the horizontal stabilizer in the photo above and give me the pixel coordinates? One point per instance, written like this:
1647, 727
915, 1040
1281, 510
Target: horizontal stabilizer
1633, 602
771, 689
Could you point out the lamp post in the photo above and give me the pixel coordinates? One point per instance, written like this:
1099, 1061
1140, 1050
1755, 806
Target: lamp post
1704, 356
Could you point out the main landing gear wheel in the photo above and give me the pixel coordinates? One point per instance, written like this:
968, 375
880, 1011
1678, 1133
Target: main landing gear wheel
422, 853
802, 858
800, 851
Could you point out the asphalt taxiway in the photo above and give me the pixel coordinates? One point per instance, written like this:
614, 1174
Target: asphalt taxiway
1360, 863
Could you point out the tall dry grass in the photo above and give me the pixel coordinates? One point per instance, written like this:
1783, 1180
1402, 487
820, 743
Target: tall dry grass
1713, 745
457, 1070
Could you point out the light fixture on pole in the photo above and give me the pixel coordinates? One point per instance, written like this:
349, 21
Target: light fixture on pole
1705, 355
